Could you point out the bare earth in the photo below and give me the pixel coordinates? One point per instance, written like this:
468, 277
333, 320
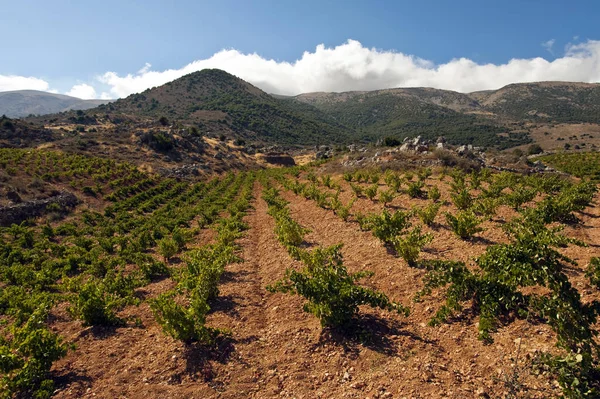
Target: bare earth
277, 350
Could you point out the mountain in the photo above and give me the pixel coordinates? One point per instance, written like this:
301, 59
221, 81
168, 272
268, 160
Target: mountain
565, 102
21, 103
410, 112
217, 101
215, 104
500, 118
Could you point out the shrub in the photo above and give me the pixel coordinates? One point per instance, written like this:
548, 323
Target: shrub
26, 359
343, 211
393, 181
465, 224
415, 189
410, 245
94, 305
593, 272
327, 181
428, 213
462, 199
391, 141
486, 207
534, 149
358, 190
167, 247
288, 231
183, 323
387, 196
386, 226
332, 293
434, 194
371, 191
519, 196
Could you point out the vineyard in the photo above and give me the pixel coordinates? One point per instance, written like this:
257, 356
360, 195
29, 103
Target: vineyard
296, 283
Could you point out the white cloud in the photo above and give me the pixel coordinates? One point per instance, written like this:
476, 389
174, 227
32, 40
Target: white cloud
548, 45
13, 82
351, 66
83, 91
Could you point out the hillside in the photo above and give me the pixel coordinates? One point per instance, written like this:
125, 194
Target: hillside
21, 103
215, 100
518, 110
544, 101
410, 112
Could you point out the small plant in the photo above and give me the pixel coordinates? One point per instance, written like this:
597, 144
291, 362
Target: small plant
410, 245
371, 191
183, 323
387, 196
428, 213
26, 358
593, 272
363, 221
462, 199
519, 196
375, 177
434, 194
357, 189
424, 173
167, 247
96, 305
465, 224
386, 226
327, 181
288, 231
332, 293
343, 211
415, 189
486, 207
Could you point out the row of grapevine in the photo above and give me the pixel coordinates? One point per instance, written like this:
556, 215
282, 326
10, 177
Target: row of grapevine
332, 293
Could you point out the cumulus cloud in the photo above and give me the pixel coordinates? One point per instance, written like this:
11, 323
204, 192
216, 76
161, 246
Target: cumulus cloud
83, 91
352, 66
13, 82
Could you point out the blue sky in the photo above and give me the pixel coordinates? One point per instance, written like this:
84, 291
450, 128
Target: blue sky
66, 43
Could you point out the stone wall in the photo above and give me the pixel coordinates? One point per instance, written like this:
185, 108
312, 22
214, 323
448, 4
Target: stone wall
19, 212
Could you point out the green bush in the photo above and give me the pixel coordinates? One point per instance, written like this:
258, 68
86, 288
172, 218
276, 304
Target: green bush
410, 245
26, 358
462, 199
386, 226
434, 194
428, 213
357, 189
371, 191
593, 271
332, 293
183, 323
415, 189
167, 248
465, 224
95, 305
387, 196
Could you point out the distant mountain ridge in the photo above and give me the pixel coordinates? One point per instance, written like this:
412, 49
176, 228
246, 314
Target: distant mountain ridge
219, 104
22, 103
